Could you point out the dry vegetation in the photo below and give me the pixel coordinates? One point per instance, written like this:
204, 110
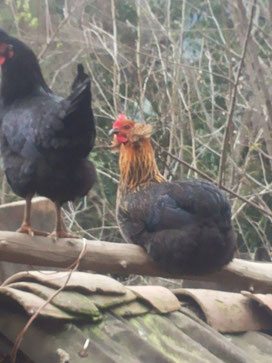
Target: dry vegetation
198, 71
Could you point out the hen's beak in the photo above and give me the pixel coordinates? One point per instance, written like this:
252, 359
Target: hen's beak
113, 132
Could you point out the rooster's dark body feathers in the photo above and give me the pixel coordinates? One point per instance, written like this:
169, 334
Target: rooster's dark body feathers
185, 225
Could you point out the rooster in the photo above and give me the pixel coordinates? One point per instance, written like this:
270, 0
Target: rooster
185, 226
45, 139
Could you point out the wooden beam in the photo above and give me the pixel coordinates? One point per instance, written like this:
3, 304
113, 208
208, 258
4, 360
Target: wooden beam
124, 259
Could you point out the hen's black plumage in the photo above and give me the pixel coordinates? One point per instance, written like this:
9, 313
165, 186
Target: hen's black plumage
185, 226
45, 139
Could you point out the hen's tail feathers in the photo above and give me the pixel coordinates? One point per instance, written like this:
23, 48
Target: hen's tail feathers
80, 77
79, 101
80, 96
191, 251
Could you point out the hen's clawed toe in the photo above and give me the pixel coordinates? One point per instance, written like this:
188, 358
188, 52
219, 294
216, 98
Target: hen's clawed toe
27, 229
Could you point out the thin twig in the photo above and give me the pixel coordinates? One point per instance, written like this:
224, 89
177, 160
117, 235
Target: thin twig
233, 99
53, 36
263, 153
116, 70
205, 176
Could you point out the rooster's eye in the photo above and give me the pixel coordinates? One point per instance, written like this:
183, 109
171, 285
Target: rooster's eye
127, 127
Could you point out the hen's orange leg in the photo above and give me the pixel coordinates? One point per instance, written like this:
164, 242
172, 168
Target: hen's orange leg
60, 231
26, 226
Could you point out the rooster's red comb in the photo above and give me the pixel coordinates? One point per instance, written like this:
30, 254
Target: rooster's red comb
121, 118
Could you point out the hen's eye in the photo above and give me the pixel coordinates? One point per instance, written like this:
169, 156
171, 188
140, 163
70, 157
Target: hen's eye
127, 127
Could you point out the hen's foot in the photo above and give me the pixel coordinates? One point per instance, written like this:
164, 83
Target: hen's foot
25, 228
63, 234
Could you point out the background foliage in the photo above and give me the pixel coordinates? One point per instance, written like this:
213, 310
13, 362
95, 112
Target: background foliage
171, 63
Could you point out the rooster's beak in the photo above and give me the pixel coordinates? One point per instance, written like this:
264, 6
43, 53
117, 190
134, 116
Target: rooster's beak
113, 132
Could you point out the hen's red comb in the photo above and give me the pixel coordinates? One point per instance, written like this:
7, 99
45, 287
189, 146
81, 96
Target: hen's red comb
121, 118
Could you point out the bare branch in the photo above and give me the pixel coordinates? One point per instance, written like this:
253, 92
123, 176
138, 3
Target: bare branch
233, 99
205, 176
123, 259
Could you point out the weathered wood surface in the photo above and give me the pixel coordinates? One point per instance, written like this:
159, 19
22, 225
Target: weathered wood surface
43, 218
42, 215
123, 259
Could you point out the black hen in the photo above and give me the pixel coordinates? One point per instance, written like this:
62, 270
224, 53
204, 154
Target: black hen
185, 226
45, 139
